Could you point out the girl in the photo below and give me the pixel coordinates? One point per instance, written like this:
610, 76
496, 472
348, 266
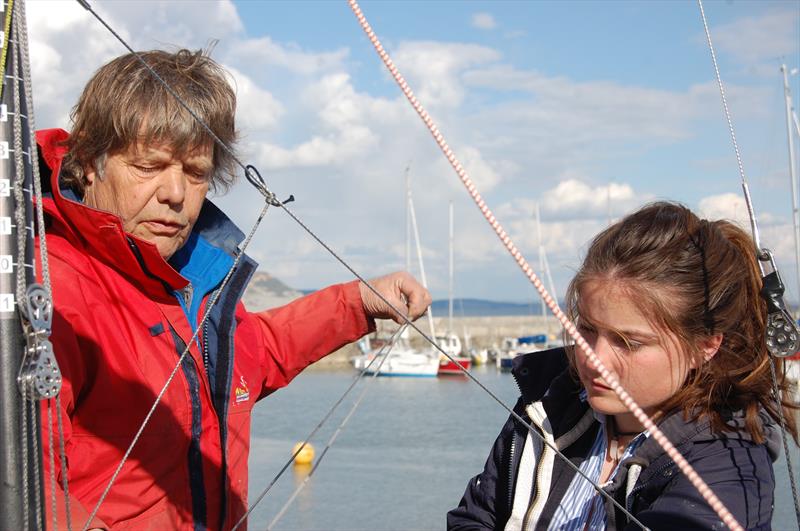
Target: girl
670, 303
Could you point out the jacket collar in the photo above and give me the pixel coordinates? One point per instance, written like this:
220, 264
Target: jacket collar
545, 376
104, 237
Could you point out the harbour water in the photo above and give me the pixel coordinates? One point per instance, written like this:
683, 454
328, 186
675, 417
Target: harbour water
403, 458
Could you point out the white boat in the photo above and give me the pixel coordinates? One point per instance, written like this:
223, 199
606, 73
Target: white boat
401, 360
506, 352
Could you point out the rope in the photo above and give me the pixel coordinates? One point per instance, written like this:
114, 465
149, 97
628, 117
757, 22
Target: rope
22, 45
626, 399
63, 457
25, 486
468, 374
21, 233
37, 482
52, 460
34, 160
712, 499
325, 418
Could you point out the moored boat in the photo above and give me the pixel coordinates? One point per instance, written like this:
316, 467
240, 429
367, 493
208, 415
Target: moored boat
451, 344
401, 360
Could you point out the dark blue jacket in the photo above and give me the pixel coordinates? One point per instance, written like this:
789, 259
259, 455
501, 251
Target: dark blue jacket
738, 470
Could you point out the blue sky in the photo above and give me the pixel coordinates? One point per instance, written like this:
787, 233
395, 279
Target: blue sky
560, 103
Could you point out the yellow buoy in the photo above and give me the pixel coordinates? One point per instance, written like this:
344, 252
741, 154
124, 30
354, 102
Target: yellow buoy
305, 456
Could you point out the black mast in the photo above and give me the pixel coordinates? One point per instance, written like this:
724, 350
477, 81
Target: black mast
20, 440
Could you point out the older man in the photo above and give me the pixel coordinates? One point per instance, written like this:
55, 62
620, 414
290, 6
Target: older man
135, 252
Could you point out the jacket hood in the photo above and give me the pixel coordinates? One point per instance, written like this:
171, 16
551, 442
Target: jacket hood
103, 233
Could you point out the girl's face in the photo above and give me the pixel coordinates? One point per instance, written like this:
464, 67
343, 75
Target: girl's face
646, 361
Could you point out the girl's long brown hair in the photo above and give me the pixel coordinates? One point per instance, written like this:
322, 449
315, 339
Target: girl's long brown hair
696, 278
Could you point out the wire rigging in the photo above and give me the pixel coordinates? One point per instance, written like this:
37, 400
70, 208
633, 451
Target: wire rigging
612, 382
209, 306
763, 255
383, 357
382, 354
211, 303
713, 501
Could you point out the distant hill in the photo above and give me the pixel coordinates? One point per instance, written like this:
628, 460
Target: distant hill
266, 291
485, 308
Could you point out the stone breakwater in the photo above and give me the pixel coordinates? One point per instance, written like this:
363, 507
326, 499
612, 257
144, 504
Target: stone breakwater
484, 332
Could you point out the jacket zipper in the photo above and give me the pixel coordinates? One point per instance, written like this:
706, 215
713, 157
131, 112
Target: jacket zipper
536, 486
206, 360
511, 473
205, 348
642, 485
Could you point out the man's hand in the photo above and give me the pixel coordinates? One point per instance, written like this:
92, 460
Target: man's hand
401, 290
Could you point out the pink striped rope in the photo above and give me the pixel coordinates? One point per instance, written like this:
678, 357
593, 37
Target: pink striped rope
612, 382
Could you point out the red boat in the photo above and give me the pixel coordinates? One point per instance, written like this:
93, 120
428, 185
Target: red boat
450, 368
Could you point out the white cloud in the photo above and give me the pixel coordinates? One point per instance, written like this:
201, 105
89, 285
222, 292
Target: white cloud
578, 198
167, 24
261, 52
731, 207
337, 134
484, 21
760, 39
434, 68
256, 108
59, 68
68, 44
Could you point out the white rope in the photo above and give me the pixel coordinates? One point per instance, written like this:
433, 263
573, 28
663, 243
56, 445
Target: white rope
712, 499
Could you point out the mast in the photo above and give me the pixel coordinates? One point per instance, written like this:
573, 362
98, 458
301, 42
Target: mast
787, 96
450, 243
408, 219
20, 485
541, 250
422, 276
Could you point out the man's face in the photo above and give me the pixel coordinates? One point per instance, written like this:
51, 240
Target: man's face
157, 195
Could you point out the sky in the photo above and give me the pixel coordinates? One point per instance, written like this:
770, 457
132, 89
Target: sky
588, 109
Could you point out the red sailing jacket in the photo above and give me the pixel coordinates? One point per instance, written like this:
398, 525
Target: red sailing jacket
118, 330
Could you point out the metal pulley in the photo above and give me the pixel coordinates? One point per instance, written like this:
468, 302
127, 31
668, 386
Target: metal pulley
39, 376
783, 338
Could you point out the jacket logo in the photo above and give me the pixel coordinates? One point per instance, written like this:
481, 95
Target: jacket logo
242, 392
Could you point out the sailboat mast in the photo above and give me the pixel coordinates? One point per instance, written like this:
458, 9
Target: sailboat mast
541, 249
422, 276
408, 219
450, 288
20, 493
787, 96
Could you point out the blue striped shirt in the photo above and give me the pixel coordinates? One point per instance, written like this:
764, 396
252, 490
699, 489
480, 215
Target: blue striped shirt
582, 507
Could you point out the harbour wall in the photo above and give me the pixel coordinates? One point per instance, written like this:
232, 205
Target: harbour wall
484, 332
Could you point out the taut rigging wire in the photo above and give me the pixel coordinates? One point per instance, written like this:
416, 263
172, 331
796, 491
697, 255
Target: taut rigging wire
382, 354
333, 437
658, 436
272, 201
761, 254
712, 499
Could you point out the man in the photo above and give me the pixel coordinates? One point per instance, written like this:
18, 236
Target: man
135, 252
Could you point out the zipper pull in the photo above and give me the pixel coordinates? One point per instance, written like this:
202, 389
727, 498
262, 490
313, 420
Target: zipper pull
188, 291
